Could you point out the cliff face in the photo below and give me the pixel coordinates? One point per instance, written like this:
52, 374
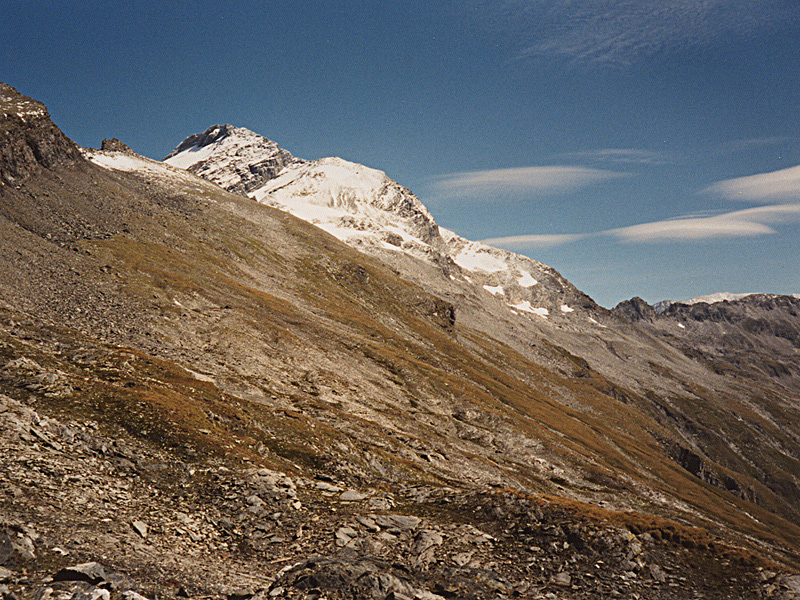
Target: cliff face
29, 140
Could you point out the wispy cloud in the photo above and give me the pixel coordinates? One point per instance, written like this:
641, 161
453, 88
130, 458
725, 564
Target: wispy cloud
528, 180
750, 144
533, 241
741, 223
624, 31
627, 156
776, 186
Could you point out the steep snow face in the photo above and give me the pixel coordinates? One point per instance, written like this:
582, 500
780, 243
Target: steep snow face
354, 202
233, 157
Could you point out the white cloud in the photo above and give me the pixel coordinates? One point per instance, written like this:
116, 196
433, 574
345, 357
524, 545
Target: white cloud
632, 156
689, 229
533, 241
741, 223
529, 180
776, 186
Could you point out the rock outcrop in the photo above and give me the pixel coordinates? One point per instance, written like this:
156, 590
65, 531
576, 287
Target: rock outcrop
29, 140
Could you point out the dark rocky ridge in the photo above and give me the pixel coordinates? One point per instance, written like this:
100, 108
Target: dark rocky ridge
337, 433
634, 310
29, 140
115, 145
734, 323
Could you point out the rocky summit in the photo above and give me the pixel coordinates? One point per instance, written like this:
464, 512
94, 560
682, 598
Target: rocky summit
241, 375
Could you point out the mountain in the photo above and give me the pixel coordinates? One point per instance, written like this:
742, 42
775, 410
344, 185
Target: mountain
376, 215
739, 334
204, 396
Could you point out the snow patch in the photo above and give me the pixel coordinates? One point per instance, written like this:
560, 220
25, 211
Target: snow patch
495, 290
681, 325
190, 156
566, 309
526, 280
591, 320
525, 305
118, 161
477, 257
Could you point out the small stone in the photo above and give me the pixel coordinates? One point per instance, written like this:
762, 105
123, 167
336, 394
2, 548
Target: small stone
426, 539
131, 595
5, 575
404, 522
353, 496
462, 559
100, 594
344, 535
140, 527
380, 503
324, 486
562, 579
7, 594
657, 574
276, 592
92, 572
369, 524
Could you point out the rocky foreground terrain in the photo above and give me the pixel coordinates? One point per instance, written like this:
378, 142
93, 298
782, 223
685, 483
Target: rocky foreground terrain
205, 397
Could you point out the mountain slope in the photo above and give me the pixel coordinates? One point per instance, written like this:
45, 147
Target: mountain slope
257, 393
518, 301
376, 215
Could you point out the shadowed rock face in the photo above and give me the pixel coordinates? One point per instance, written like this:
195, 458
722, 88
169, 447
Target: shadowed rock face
203, 396
634, 310
115, 145
29, 141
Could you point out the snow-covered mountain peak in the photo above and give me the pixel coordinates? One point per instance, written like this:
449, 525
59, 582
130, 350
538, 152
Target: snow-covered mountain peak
235, 158
375, 214
350, 200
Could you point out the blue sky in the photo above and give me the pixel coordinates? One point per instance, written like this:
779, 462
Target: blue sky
640, 147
